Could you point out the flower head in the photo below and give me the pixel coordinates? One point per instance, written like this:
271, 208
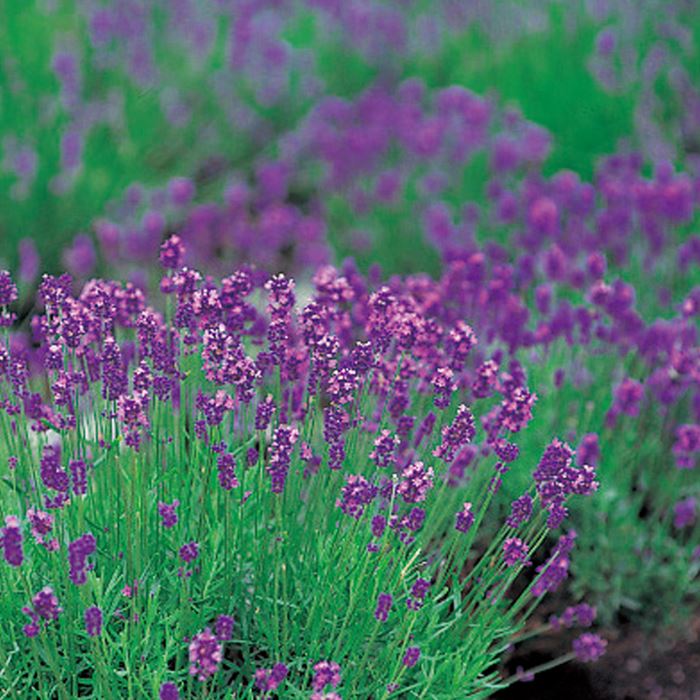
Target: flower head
384, 603
189, 552
93, 621
11, 541
515, 551
169, 691
224, 627
326, 673
589, 647
78, 552
205, 655
464, 518
411, 657
270, 679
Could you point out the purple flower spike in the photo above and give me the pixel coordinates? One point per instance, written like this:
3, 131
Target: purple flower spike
357, 494
270, 679
205, 655
93, 621
520, 511
8, 290
456, 435
169, 691
189, 552
515, 551
684, 512
224, 627
78, 552
44, 606
167, 513
464, 519
172, 253
326, 673
411, 657
384, 603
589, 647
11, 540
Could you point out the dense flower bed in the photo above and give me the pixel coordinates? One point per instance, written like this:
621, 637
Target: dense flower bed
251, 494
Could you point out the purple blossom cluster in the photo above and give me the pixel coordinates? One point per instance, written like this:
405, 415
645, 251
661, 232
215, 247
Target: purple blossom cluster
270, 679
589, 647
11, 541
556, 479
384, 603
582, 615
204, 654
93, 621
326, 673
44, 607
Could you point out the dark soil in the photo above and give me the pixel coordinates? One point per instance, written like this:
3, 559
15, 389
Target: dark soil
635, 667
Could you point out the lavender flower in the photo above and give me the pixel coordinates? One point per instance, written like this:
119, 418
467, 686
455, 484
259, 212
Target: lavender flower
78, 552
556, 479
589, 647
384, 603
684, 512
78, 471
515, 551
506, 451
93, 621
411, 657
378, 525
167, 513
588, 451
326, 673
226, 466
415, 483
556, 569
687, 445
53, 475
582, 614
205, 655
270, 679
224, 627
189, 552
464, 518
172, 253
357, 494
169, 691
8, 290
11, 541
264, 413
520, 511
44, 606
42, 524
456, 435
384, 452
418, 592
283, 440
443, 387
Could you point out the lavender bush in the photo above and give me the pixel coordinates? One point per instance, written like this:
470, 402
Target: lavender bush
242, 495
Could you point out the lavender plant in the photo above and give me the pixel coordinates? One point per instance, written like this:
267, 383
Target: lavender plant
242, 497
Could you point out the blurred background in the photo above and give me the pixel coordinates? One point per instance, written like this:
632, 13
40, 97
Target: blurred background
317, 117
